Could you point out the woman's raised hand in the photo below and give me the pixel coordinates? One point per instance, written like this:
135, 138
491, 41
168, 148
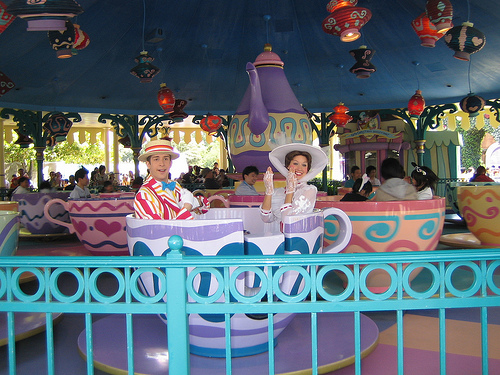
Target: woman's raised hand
268, 181
291, 182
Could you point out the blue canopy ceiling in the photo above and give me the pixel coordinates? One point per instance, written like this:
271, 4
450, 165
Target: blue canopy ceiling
206, 45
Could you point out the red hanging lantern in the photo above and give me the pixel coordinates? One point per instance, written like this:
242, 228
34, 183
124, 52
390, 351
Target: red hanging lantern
340, 116
345, 20
166, 98
82, 40
5, 18
440, 13
211, 124
426, 31
363, 68
416, 104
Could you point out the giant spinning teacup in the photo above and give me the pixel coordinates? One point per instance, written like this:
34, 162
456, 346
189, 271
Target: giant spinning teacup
33, 218
9, 232
269, 113
235, 232
480, 208
386, 227
451, 192
98, 222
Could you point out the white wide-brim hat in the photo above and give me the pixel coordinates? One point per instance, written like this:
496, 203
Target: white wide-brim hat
319, 160
159, 146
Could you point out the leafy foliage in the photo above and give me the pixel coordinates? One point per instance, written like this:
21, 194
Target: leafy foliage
202, 154
471, 151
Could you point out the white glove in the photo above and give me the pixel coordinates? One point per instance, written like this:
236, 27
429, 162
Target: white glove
291, 182
268, 181
188, 197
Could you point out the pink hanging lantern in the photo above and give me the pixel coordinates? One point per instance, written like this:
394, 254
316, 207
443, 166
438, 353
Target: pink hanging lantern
178, 114
426, 31
440, 13
416, 104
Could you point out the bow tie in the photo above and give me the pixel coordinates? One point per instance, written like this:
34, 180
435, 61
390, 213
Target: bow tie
170, 185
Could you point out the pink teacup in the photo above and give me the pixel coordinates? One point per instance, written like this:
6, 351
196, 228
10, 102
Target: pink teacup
98, 222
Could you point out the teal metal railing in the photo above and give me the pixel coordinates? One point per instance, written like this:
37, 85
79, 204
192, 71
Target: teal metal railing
176, 273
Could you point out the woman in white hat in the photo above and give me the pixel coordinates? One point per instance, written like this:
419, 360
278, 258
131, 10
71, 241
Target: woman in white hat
299, 163
159, 197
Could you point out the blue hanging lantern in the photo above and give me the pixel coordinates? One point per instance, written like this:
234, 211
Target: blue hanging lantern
472, 104
464, 40
62, 41
58, 126
145, 71
45, 15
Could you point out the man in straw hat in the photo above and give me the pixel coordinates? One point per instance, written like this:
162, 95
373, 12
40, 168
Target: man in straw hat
299, 163
159, 197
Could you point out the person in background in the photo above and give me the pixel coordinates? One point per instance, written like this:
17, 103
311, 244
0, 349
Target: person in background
45, 187
71, 183
246, 187
210, 181
137, 183
299, 163
361, 190
108, 187
424, 180
222, 178
101, 175
24, 186
355, 174
394, 187
159, 197
371, 173
82, 181
480, 175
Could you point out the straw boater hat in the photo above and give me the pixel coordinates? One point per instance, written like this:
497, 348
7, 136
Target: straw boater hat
159, 146
318, 162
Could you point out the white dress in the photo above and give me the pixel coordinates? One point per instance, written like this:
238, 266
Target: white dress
303, 202
425, 193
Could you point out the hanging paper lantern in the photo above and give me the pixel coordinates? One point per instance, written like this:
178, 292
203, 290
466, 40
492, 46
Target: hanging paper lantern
464, 40
335, 4
426, 31
363, 68
440, 13
346, 20
58, 126
5, 18
166, 99
45, 15
51, 141
211, 124
62, 41
6, 84
178, 115
472, 104
340, 116
125, 141
82, 40
23, 140
416, 104
145, 71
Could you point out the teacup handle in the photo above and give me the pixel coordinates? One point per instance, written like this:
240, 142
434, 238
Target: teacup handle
345, 230
55, 221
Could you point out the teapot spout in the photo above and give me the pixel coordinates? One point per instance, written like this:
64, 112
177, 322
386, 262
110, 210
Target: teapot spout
258, 117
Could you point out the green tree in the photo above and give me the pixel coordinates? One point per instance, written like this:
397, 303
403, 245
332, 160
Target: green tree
471, 151
202, 154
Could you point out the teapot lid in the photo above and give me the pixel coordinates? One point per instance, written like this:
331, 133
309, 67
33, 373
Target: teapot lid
268, 57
